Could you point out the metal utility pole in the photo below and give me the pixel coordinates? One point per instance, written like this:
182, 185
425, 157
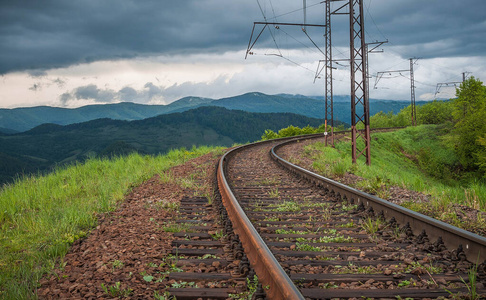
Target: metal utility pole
451, 83
412, 92
329, 116
328, 80
379, 75
368, 51
359, 95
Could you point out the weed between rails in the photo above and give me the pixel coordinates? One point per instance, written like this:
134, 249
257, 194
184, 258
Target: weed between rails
355, 269
269, 181
42, 216
273, 193
285, 206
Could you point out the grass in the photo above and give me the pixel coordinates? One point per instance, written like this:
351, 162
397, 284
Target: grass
416, 158
40, 217
116, 264
251, 288
177, 227
372, 225
306, 247
354, 269
116, 290
429, 268
273, 193
291, 231
285, 206
269, 181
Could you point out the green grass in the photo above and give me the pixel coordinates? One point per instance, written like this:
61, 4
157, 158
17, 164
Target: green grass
417, 158
40, 217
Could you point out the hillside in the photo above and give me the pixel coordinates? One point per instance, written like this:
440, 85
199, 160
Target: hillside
22, 119
302, 105
7, 131
45, 146
25, 118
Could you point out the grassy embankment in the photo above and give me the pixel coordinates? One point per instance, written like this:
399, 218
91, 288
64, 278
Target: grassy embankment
40, 217
416, 158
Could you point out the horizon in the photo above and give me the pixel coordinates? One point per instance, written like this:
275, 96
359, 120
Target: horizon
212, 99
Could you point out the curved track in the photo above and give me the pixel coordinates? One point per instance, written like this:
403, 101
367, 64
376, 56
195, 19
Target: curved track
309, 237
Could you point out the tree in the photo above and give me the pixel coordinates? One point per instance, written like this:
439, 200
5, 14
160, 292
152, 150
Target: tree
469, 113
435, 112
481, 155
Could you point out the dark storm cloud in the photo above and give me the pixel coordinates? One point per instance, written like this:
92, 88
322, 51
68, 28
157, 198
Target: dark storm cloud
433, 28
56, 33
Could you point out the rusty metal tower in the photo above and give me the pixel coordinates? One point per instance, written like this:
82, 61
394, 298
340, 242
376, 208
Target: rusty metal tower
360, 112
412, 92
328, 81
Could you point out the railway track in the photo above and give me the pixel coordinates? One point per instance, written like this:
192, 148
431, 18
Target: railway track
308, 237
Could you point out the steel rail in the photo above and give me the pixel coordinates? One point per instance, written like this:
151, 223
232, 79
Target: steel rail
473, 245
270, 274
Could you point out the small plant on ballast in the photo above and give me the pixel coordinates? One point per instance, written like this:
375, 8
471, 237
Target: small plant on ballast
251, 287
472, 276
116, 264
116, 290
164, 296
371, 225
273, 193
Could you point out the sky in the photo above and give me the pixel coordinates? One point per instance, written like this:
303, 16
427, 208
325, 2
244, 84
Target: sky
75, 53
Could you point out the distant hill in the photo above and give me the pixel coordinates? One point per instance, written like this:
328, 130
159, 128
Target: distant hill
23, 119
7, 131
47, 145
302, 105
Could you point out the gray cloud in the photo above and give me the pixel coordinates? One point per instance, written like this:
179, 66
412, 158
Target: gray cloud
55, 33
59, 82
39, 35
36, 87
37, 73
149, 93
90, 92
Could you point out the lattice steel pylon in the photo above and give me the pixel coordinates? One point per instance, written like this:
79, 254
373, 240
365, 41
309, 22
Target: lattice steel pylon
329, 118
412, 93
359, 96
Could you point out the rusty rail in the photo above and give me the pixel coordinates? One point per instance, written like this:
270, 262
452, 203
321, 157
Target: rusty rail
273, 278
466, 243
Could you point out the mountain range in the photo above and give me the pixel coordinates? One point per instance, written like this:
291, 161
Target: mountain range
23, 119
49, 145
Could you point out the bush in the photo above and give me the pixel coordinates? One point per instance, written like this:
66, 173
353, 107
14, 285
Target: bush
293, 131
435, 112
269, 135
